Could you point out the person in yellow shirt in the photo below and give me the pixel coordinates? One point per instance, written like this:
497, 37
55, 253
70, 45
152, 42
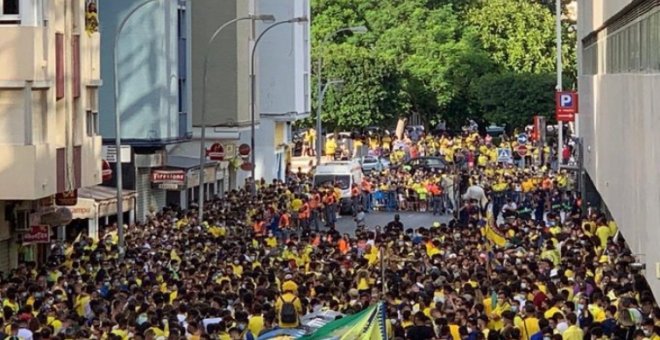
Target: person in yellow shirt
330, 147
554, 309
82, 300
256, 322
603, 232
496, 322
573, 332
288, 306
529, 324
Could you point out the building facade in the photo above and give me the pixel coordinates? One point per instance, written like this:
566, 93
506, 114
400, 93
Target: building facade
49, 136
282, 70
619, 83
283, 73
154, 91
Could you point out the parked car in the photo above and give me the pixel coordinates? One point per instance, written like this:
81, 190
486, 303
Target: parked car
433, 164
373, 163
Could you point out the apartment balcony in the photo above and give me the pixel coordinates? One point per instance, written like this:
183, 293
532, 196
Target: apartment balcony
23, 48
31, 172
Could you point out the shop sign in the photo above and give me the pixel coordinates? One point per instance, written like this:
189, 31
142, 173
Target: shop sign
244, 150
37, 234
168, 179
216, 152
106, 171
67, 198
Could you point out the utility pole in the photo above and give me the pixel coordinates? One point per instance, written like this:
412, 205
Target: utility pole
560, 133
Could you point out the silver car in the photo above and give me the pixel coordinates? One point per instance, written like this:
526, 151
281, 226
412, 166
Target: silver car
373, 163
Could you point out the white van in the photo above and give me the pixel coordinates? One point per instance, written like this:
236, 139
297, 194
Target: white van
343, 173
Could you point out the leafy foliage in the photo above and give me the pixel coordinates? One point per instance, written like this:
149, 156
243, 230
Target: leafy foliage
429, 57
514, 98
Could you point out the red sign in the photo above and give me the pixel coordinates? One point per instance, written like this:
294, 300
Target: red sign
37, 234
566, 105
522, 150
244, 150
106, 171
67, 198
247, 166
168, 176
216, 152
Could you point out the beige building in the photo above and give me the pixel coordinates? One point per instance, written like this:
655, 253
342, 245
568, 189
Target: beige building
49, 141
619, 83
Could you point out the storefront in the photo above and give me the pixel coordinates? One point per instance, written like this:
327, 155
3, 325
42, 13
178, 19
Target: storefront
181, 180
97, 208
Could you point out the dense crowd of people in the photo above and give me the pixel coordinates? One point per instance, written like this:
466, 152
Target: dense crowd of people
549, 269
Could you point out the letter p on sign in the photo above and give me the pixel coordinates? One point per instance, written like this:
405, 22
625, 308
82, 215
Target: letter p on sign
566, 106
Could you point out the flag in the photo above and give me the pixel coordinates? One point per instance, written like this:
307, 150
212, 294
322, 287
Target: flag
174, 256
369, 324
69, 250
494, 235
491, 232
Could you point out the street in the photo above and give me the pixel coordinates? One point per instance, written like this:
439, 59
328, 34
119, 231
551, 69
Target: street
409, 219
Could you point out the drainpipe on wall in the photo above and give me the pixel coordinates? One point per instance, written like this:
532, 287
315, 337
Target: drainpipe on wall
27, 102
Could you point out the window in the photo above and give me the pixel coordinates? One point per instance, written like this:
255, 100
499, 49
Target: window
76, 66
631, 47
59, 66
92, 123
9, 12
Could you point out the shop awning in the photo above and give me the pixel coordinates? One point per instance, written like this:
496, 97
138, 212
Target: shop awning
101, 199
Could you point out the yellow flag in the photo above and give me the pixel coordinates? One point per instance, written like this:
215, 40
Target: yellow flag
174, 256
493, 235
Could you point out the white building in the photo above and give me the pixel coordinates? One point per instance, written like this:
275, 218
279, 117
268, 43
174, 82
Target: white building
619, 119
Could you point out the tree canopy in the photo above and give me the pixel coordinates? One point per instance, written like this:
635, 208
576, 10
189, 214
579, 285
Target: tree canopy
434, 58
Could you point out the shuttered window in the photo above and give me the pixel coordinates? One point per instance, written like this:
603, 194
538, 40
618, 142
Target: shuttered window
59, 65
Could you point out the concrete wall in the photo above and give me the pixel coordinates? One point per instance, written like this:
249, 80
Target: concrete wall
619, 120
147, 70
227, 90
284, 62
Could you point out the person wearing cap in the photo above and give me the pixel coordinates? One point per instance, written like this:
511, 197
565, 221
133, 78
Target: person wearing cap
289, 296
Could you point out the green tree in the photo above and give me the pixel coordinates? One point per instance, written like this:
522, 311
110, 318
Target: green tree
518, 34
514, 98
418, 55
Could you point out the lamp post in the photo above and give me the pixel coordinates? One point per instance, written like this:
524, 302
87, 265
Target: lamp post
560, 133
253, 87
319, 136
202, 143
120, 184
318, 115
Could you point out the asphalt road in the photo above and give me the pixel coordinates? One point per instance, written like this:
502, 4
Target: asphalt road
409, 219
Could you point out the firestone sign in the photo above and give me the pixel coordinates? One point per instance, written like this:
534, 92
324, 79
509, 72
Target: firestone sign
168, 179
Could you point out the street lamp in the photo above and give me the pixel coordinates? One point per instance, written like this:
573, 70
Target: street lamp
318, 115
120, 193
202, 143
560, 133
354, 30
253, 86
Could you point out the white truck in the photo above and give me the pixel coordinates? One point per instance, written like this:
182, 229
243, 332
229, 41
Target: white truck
341, 173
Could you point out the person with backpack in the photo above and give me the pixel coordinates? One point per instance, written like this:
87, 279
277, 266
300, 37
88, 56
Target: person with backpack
288, 306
